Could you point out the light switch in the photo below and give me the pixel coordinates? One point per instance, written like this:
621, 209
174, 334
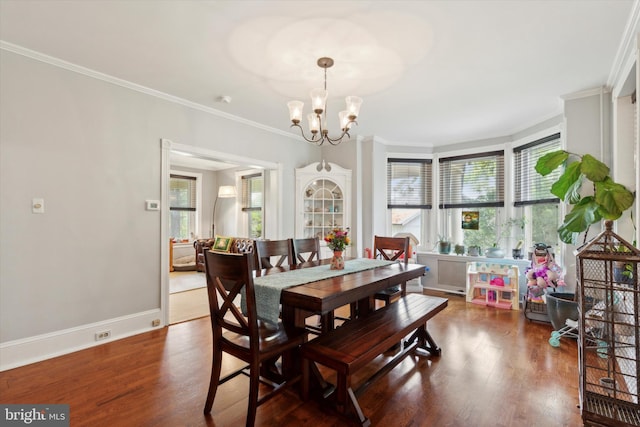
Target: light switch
37, 206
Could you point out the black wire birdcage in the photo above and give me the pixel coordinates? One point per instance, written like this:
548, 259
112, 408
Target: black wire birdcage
609, 329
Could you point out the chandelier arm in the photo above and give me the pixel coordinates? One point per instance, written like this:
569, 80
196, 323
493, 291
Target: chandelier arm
313, 140
336, 141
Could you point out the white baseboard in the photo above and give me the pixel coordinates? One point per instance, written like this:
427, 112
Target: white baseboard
448, 289
24, 351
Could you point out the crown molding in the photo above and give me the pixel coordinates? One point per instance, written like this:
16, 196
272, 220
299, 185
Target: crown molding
585, 93
627, 50
56, 62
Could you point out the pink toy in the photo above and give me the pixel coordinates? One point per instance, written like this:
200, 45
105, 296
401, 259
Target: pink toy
542, 273
497, 281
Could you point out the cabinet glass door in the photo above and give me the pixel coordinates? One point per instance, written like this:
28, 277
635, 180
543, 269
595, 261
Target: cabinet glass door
323, 208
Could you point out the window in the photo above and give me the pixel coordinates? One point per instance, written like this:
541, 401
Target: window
532, 195
472, 182
409, 189
252, 196
182, 206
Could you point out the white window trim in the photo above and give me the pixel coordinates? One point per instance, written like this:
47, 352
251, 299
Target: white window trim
198, 177
243, 220
425, 225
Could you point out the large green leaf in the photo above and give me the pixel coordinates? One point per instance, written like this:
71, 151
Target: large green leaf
567, 236
569, 182
550, 162
593, 168
613, 198
583, 214
609, 201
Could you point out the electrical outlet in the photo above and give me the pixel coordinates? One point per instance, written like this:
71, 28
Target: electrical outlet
103, 335
155, 322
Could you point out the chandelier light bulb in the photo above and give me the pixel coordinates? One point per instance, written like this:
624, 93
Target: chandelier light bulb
314, 123
353, 106
318, 100
295, 111
344, 120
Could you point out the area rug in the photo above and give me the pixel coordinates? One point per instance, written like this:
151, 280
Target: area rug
180, 281
188, 305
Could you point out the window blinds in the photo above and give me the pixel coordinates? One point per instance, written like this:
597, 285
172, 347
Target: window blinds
182, 193
531, 187
252, 192
409, 183
474, 180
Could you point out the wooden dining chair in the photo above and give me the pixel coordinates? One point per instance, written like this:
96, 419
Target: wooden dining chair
307, 249
392, 249
243, 335
281, 249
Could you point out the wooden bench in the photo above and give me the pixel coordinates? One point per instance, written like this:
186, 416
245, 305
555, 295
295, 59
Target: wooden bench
359, 341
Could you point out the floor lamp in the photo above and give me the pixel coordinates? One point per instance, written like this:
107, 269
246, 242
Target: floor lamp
224, 192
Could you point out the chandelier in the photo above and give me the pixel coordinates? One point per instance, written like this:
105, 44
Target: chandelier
318, 119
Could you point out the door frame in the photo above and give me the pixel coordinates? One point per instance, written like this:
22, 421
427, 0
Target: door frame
273, 169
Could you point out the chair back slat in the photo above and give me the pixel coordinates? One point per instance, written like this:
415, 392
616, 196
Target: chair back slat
228, 276
391, 248
282, 250
307, 249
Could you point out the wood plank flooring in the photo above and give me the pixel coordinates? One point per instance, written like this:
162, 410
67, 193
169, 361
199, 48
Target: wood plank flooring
496, 369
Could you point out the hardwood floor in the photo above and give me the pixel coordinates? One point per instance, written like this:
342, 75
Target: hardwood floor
496, 369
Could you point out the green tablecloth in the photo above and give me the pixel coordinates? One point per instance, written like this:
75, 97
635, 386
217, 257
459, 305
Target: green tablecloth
268, 288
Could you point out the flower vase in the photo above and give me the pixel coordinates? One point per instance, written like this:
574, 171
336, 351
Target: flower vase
337, 262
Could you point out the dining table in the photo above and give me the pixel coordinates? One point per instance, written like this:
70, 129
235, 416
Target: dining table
302, 290
294, 293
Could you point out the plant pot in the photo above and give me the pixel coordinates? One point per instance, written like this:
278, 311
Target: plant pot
459, 249
494, 252
473, 251
444, 247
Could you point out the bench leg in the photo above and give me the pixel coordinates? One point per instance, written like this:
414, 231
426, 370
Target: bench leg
364, 421
305, 379
343, 383
425, 342
345, 397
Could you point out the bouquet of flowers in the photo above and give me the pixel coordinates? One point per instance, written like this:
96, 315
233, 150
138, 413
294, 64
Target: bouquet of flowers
337, 239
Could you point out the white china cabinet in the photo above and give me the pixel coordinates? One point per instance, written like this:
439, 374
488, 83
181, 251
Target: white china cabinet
323, 201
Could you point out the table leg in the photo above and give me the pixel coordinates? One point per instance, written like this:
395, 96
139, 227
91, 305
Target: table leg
292, 364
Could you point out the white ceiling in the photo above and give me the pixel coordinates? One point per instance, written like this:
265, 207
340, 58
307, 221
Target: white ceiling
430, 72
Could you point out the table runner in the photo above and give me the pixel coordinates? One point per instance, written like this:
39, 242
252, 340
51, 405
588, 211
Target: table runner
268, 288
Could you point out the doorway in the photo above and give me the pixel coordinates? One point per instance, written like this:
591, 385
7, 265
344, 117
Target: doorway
191, 303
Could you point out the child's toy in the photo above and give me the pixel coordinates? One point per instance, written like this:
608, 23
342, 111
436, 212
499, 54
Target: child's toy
497, 281
543, 273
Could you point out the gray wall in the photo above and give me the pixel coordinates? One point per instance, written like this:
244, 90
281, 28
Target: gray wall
587, 131
92, 150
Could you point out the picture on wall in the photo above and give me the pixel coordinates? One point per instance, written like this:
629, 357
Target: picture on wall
470, 220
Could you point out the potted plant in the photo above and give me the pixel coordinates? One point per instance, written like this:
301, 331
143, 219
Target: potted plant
474, 250
505, 233
607, 200
444, 245
516, 253
494, 252
622, 271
